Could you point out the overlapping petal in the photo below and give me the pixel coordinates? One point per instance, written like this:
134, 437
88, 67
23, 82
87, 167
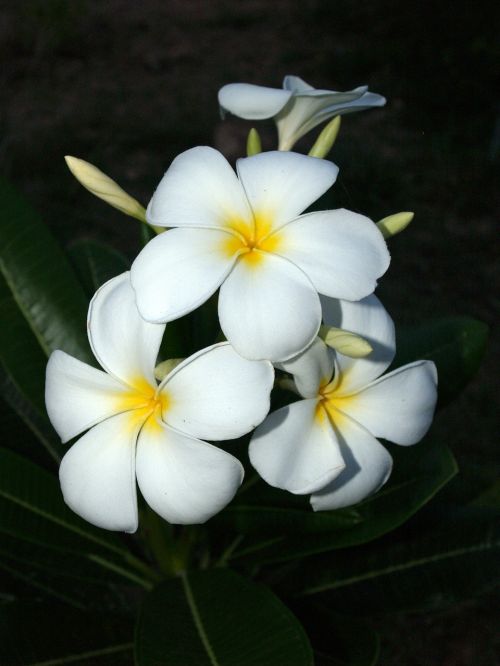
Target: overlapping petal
97, 474
78, 396
185, 480
367, 318
400, 405
311, 369
343, 253
280, 185
296, 449
216, 394
200, 189
268, 309
252, 102
179, 270
125, 345
368, 465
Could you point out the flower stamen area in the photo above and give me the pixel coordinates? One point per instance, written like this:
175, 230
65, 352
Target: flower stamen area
330, 404
250, 240
144, 402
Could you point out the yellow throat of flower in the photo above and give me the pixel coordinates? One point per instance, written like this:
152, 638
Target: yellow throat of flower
251, 239
144, 402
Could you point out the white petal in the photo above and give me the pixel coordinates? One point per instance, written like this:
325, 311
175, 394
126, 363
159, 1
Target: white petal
97, 474
311, 107
371, 320
200, 189
399, 406
179, 270
311, 369
78, 396
251, 102
268, 309
123, 343
368, 465
296, 448
186, 481
295, 84
216, 394
341, 252
280, 185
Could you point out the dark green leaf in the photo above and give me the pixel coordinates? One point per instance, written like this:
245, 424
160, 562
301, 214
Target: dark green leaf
40, 279
95, 263
455, 344
217, 618
420, 472
457, 560
41, 634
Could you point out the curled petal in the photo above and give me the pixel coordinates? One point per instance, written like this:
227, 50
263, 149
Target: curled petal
341, 252
179, 270
200, 189
186, 481
311, 369
97, 474
368, 465
280, 185
367, 318
78, 396
216, 394
268, 309
125, 345
252, 102
296, 448
400, 405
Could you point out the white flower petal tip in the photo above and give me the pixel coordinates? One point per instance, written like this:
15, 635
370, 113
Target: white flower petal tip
345, 342
252, 102
124, 343
296, 108
296, 449
184, 480
217, 394
97, 475
368, 466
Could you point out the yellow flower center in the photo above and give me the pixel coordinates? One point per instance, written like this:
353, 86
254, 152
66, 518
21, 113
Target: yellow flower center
250, 240
331, 405
143, 402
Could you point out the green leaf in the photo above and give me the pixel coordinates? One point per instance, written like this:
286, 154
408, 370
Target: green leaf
42, 634
95, 263
419, 473
217, 618
456, 560
455, 344
40, 279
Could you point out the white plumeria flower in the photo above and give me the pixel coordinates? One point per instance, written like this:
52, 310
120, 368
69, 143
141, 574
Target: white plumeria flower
296, 108
139, 429
244, 233
326, 444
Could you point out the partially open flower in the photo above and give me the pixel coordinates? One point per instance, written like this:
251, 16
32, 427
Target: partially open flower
296, 108
244, 233
137, 428
326, 444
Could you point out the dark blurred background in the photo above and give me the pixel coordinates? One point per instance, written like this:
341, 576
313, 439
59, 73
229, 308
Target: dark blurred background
128, 85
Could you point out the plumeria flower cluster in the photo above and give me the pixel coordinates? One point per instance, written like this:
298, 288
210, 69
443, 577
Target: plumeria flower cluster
285, 275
